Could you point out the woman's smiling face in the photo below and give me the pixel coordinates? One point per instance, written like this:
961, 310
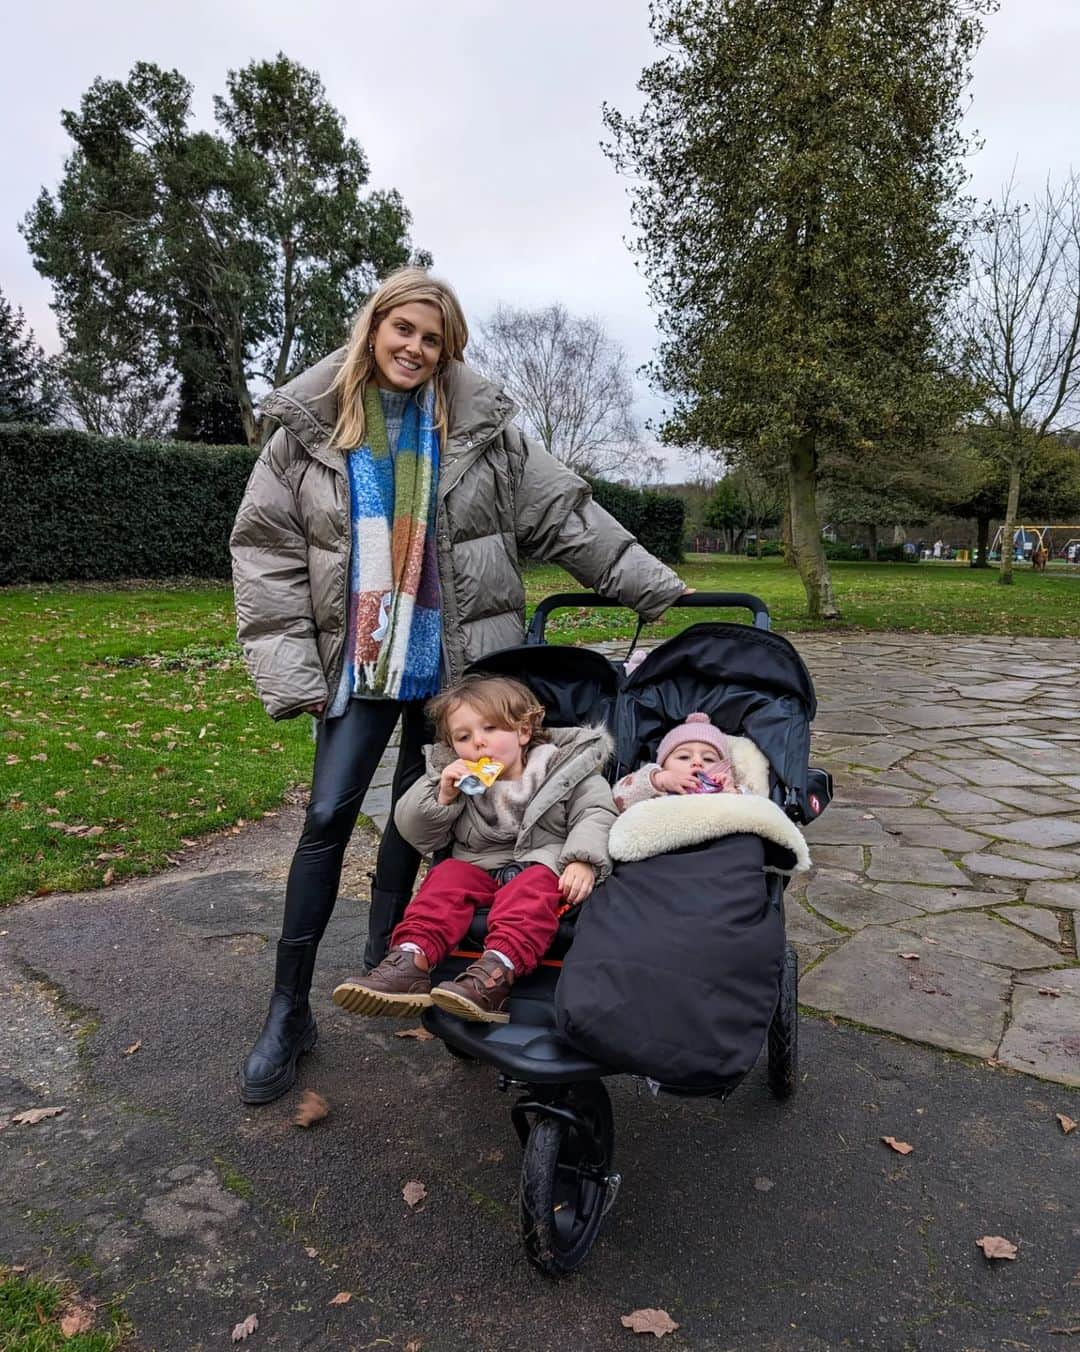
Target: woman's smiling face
407, 345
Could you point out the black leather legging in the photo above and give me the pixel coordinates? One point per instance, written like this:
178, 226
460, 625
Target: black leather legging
347, 753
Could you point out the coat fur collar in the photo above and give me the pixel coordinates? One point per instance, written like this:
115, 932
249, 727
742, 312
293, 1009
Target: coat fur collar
477, 408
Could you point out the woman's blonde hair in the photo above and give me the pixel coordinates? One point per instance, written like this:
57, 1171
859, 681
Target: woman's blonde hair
507, 703
401, 288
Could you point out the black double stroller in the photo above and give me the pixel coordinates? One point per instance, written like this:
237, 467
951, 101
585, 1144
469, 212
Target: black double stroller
752, 683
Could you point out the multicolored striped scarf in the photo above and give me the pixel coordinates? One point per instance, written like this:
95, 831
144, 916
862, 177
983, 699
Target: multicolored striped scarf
395, 624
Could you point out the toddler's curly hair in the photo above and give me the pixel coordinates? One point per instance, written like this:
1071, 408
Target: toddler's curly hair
508, 703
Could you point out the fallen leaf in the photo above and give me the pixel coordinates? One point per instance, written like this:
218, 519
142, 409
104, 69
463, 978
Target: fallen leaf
649, 1321
19, 1267
342, 1298
1067, 1123
311, 1253
901, 1147
996, 1246
413, 1345
868, 817
312, 1108
77, 1319
910, 957
764, 1184
414, 1192
130, 1051
1073, 1328
245, 1329
1049, 990
419, 1034
31, 1116
108, 876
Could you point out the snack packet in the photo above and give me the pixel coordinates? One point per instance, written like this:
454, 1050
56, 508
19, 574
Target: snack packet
482, 774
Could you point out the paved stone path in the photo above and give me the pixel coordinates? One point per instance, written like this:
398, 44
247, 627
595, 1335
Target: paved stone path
944, 905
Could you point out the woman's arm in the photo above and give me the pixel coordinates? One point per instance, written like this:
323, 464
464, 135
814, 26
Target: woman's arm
558, 521
274, 618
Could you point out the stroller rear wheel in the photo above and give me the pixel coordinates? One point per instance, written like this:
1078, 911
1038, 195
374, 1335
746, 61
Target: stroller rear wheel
784, 1030
566, 1178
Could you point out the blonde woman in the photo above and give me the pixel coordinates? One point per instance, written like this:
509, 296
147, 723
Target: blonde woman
376, 553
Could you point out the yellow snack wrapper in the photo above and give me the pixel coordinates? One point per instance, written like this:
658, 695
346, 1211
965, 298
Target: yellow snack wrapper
482, 774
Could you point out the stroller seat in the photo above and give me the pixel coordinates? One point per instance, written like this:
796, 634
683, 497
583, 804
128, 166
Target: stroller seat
527, 1048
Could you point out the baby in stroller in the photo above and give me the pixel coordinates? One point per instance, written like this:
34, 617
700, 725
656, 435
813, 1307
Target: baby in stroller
536, 839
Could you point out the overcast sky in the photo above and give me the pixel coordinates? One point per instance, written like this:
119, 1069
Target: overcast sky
485, 114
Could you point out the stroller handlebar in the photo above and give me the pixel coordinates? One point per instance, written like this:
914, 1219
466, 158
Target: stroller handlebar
710, 600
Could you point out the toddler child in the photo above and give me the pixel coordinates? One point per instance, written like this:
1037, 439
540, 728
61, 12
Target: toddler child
534, 839
693, 757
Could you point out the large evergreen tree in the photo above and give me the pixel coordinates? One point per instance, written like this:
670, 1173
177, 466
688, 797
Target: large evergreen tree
228, 258
798, 167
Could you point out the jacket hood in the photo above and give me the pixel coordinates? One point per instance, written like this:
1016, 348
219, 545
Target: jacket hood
595, 744
477, 408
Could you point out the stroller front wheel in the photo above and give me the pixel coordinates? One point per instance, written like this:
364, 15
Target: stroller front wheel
566, 1179
784, 1030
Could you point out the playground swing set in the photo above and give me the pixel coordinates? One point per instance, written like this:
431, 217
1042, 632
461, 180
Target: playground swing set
1038, 544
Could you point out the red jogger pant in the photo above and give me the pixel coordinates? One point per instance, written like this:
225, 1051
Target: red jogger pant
521, 924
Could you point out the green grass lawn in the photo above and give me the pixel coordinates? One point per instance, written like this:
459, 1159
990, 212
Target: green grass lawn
31, 1312
128, 725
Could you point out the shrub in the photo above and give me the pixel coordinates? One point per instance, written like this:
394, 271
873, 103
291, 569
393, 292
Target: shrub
656, 519
85, 507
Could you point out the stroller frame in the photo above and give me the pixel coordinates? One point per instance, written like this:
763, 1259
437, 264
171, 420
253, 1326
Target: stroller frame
563, 1115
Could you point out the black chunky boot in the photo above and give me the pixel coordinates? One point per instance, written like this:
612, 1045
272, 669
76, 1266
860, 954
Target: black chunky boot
289, 1030
384, 914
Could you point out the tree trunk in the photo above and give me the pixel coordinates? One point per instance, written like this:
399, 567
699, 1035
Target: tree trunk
806, 530
870, 536
982, 542
786, 543
1005, 573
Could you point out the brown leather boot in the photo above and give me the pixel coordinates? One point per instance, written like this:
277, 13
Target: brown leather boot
480, 992
399, 985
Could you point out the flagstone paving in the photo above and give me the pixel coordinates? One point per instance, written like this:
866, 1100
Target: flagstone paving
944, 903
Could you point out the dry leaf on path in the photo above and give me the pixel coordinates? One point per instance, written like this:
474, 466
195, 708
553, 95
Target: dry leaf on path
245, 1329
413, 1345
997, 1246
418, 1034
910, 957
311, 1253
1067, 1123
76, 1319
901, 1147
342, 1298
658, 1322
1073, 1328
130, 1051
414, 1192
312, 1108
32, 1116
1049, 990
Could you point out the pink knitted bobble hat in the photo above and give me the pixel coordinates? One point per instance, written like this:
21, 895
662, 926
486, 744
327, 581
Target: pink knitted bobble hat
697, 728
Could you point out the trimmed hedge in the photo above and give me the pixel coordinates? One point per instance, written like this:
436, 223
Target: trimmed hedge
80, 507
657, 519
83, 507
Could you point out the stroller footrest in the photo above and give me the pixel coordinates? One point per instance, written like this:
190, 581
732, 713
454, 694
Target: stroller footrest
534, 1054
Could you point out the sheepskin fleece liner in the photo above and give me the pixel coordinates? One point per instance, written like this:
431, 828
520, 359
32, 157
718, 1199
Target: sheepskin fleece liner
661, 825
674, 970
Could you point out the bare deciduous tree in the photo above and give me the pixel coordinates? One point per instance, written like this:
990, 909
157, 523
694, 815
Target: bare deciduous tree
573, 386
1021, 324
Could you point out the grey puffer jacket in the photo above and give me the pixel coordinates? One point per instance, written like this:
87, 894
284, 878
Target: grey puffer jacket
501, 496
569, 819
